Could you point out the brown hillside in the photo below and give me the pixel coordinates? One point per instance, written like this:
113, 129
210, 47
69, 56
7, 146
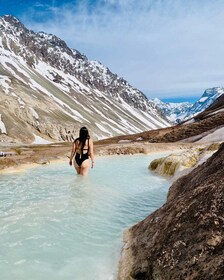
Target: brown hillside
211, 118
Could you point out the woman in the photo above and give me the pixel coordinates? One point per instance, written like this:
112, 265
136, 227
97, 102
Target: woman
82, 149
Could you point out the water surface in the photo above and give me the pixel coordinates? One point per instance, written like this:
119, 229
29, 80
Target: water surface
57, 225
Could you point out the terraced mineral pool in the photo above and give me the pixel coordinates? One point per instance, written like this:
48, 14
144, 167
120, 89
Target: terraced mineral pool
56, 225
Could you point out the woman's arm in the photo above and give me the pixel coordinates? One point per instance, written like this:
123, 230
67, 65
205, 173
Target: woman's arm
91, 153
72, 153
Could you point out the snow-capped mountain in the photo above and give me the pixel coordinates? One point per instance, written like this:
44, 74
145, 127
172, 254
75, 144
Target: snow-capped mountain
172, 110
208, 97
178, 112
49, 90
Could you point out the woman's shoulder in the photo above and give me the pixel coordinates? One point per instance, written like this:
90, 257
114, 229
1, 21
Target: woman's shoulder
90, 142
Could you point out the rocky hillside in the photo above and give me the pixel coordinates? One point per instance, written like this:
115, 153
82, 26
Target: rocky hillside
48, 90
207, 126
184, 239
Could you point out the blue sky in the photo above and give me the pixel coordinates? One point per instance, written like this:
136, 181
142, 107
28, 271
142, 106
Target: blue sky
170, 49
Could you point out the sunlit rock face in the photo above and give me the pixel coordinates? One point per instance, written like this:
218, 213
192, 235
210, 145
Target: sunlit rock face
173, 164
184, 239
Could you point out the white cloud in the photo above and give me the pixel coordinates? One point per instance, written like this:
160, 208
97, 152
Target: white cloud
162, 47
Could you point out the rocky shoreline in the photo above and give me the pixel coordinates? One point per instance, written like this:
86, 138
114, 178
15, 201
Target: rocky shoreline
184, 239
20, 157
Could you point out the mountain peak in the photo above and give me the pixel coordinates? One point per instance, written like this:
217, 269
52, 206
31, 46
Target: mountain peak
178, 112
12, 20
52, 90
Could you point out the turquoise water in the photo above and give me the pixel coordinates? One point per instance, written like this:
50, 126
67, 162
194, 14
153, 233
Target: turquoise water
57, 225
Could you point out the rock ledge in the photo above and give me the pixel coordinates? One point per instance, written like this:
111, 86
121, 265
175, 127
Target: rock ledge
184, 239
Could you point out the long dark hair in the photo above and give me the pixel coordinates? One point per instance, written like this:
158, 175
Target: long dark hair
83, 135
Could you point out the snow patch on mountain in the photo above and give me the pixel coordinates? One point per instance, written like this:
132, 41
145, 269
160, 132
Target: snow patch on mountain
55, 90
102, 128
4, 82
2, 126
178, 112
40, 141
34, 113
216, 136
208, 97
172, 110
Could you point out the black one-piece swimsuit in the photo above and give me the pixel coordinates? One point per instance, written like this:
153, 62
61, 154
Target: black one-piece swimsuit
80, 158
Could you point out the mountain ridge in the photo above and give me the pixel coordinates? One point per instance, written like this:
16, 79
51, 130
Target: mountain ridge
208, 97
50, 90
182, 111
172, 109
